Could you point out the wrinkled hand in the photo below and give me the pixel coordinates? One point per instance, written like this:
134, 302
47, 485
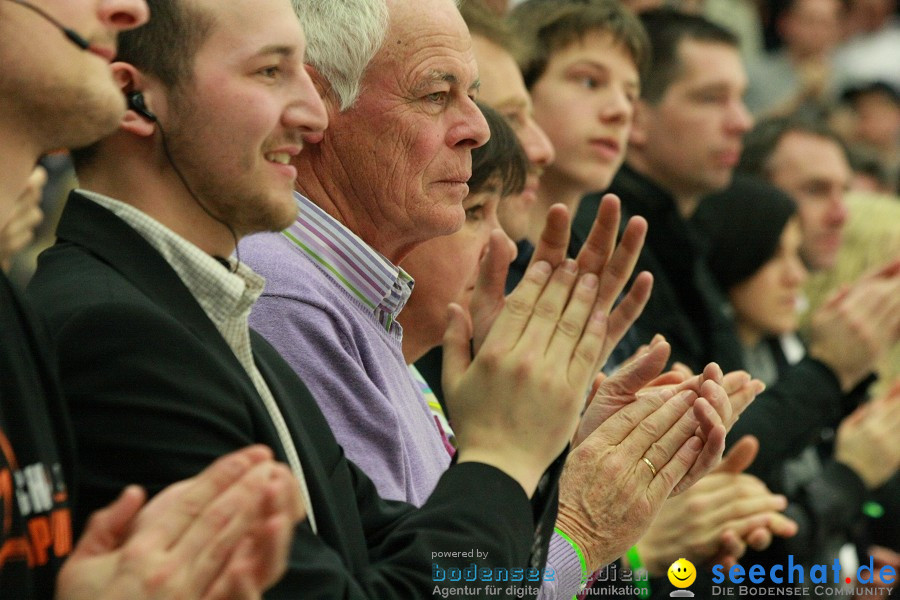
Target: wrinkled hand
715, 520
723, 404
223, 534
739, 386
516, 403
864, 316
612, 263
867, 439
608, 493
18, 230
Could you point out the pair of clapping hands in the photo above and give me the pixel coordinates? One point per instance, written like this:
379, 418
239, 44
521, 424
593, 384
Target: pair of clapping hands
644, 436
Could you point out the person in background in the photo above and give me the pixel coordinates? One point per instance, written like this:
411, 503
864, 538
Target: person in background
798, 76
831, 482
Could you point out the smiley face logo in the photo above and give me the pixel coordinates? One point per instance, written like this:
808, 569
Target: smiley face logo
682, 573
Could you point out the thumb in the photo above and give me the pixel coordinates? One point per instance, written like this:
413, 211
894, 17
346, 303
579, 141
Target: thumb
108, 528
457, 355
642, 370
741, 455
489, 294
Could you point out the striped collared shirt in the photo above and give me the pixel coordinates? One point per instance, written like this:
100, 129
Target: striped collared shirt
357, 267
225, 297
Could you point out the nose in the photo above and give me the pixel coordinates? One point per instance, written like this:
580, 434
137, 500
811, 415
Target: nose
307, 113
471, 130
739, 120
796, 273
837, 209
536, 144
122, 15
616, 108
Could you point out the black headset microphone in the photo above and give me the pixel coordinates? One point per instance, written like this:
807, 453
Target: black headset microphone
69, 33
137, 104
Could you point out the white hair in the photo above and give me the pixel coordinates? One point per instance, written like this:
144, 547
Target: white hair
342, 38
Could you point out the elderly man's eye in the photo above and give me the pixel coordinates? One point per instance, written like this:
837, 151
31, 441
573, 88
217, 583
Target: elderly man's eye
437, 97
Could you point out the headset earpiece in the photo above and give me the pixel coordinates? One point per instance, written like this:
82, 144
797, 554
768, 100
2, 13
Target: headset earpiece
136, 103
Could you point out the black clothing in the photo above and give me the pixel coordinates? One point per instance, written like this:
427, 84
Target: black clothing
157, 394
36, 454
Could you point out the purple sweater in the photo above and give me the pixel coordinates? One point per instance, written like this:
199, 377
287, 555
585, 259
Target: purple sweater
352, 365
355, 369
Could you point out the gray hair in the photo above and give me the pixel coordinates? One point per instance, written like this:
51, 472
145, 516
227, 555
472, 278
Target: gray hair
342, 38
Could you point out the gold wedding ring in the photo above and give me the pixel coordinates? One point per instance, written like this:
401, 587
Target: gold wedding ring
649, 464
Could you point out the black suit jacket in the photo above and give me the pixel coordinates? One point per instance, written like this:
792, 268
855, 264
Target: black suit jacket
156, 394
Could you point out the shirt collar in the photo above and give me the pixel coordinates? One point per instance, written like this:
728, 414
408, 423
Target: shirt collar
223, 293
354, 265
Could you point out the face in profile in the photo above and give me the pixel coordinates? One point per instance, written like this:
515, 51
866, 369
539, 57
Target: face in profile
404, 148
62, 95
238, 160
765, 303
691, 138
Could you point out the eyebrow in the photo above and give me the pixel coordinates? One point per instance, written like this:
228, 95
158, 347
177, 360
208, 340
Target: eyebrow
286, 51
445, 77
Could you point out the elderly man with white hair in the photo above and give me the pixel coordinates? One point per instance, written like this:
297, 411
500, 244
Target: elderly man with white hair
399, 81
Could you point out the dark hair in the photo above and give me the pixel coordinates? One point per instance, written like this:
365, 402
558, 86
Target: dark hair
761, 141
667, 28
546, 26
502, 156
743, 223
484, 22
165, 46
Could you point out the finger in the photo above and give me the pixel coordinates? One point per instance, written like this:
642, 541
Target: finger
735, 380
554, 241
215, 534
236, 581
548, 309
489, 294
652, 438
712, 390
574, 319
634, 376
521, 304
171, 512
731, 545
457, 355
273, 548
743, 398
711, 453
107, 528
662, 486
617, 271
597, 249
666, 437
627, 311
759, 539
740, 456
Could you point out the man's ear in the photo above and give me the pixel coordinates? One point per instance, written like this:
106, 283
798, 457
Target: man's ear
638, 136
131, 80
